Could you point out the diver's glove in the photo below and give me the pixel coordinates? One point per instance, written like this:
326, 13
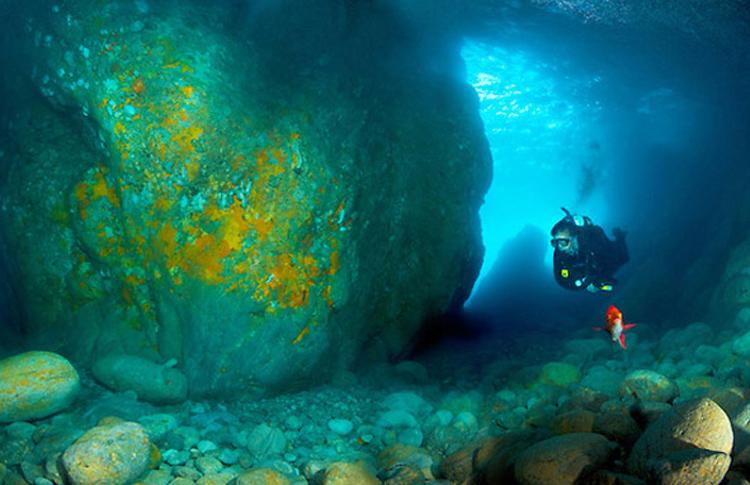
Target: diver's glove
599, 284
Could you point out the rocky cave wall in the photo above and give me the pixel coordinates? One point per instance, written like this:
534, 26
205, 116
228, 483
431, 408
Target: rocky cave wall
255, 207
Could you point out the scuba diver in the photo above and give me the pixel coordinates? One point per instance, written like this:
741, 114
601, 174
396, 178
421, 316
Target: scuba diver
584, 256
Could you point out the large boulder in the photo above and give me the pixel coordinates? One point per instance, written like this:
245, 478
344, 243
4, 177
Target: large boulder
689, 444
35, 385
260, 207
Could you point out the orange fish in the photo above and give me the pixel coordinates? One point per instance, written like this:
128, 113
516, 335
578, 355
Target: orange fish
615, 326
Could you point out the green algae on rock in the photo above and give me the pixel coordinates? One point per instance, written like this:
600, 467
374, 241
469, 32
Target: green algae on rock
261, 228
35, 385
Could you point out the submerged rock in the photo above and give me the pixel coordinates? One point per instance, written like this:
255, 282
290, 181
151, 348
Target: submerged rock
559, 374
157, 383
649, 386
36, 385
562, 459
343, 473
116, 454
260, 258
689, 444
260, 476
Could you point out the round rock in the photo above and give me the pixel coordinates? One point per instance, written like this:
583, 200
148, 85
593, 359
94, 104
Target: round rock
35, 385
685, 441
650, 386
562, 459
116, 455
260, 476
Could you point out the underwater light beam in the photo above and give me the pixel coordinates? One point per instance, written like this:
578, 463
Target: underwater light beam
544, 141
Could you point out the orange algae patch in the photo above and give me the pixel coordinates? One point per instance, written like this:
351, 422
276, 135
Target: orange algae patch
81, 194
185, 138
101, 189
335, 263
167, 238
204, 257
187, 91
138, 86
192, 169
305, 331
119, 128
290, 281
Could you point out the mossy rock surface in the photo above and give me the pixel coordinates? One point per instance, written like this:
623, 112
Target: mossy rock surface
262, 218
35, 385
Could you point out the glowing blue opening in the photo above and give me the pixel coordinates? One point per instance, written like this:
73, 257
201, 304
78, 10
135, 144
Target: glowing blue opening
542, 124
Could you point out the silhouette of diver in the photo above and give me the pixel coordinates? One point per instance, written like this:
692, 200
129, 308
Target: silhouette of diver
585, 258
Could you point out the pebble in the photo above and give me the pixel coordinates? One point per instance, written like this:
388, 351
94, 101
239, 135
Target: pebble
293, 423
174, 457
340, 426
229, 456
204, 446
265, 440
397, 418
208, 465
649, 385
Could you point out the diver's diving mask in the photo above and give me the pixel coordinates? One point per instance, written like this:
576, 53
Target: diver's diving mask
562, 243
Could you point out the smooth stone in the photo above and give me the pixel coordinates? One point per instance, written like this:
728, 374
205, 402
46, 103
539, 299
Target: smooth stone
293, 423
650, 386
685, 438
175, 457
157, 477
407, 401
342, 473
190, 436
35, 385
646, 412
204, 446
215, 479
264, 440
340, 426
158, 425
602, 379
153, 382
260, 476
576, 421
397, 419
115, 454
20, 430
617, 425
228, 456
208, 465
559, 374
562, 459
411, 436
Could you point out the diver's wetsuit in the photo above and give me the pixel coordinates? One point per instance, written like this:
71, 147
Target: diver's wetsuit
596, 262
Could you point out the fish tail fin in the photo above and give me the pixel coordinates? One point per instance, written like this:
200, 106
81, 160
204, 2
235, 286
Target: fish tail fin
628, 326
622, 342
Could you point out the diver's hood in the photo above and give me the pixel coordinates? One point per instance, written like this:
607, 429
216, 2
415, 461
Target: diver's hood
571, 221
